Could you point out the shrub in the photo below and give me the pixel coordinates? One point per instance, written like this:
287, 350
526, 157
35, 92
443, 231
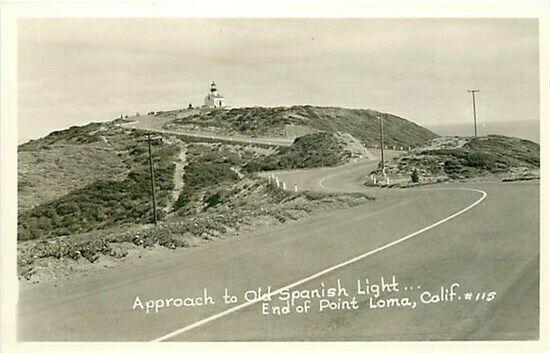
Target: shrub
476, 160
105, 202
414, 176
451, 166
320, 149
214, 199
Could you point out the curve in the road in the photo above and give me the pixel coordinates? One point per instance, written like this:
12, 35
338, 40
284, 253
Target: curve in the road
327, 270
346, 171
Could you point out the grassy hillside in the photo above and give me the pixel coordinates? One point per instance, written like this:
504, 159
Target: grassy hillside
309, 151
47, 172
103, 181
107, 217
258, 121
217, 185
455, 158
94, 177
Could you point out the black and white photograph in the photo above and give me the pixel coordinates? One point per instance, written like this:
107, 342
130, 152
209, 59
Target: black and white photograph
283, 179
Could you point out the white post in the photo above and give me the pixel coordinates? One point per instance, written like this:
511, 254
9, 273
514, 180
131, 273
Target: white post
295, 188
387, 180
374, 179
284, 185
277, 181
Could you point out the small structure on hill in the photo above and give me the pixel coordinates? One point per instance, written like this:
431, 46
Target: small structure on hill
214, 99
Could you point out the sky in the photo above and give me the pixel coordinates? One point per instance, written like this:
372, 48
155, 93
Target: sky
75, 71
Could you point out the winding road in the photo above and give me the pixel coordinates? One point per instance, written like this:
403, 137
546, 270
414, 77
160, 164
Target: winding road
482, 236
154, 123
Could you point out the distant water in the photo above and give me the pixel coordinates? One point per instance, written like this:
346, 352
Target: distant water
525, 129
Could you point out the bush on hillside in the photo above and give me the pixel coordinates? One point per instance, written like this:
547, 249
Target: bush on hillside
105, 202
320, 149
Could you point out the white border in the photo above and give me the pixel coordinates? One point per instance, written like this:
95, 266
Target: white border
272, 8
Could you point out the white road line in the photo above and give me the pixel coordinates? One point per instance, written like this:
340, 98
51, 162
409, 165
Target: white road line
324, 272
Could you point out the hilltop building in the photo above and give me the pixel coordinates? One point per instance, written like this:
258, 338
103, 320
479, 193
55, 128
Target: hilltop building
214, 99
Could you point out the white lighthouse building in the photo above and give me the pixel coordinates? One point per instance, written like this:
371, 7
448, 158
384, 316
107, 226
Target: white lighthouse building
214, 99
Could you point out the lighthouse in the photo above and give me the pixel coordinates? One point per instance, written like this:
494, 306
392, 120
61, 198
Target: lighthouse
214, 99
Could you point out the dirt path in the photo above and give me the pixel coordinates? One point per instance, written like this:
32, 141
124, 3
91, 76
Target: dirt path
178, 175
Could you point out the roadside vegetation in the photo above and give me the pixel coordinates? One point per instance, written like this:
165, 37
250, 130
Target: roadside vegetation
211, 167
320, 149
250, 204
460, 158
109, 215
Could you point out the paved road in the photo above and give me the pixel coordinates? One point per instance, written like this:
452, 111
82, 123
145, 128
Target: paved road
493, 246
347, 178
156, 123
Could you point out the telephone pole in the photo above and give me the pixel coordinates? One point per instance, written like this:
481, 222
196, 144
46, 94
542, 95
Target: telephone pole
152, 175
473, 92
382, 144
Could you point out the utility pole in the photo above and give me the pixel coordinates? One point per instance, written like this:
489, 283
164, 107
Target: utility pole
152, 174
382, 144
474, 91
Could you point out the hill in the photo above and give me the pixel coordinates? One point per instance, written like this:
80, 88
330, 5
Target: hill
100, 178
96, 176
295, 121
318, 149
85, 192
456, 158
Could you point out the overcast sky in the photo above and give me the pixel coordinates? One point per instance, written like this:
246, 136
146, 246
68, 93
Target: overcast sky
76, 71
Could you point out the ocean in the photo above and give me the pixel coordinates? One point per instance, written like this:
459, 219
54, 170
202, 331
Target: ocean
525, 129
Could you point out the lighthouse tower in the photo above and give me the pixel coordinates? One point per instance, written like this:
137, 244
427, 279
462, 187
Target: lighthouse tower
214, 99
